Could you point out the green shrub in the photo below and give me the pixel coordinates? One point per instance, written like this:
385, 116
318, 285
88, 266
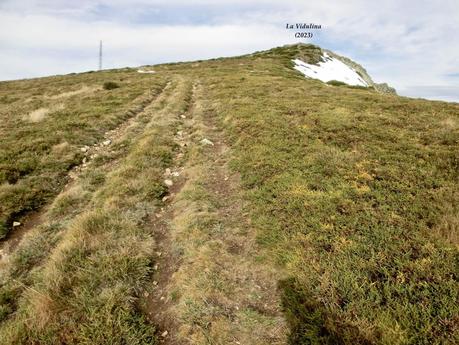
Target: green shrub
110, 85
336, 83
360, 87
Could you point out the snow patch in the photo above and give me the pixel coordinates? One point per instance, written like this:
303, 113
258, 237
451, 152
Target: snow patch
330, 69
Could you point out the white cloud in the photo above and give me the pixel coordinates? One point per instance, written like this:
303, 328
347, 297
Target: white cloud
406, 43
57, 44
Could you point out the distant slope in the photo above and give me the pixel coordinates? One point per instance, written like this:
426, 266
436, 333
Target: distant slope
227, 201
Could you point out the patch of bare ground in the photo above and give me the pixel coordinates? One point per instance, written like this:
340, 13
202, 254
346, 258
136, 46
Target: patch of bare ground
208, 286
9, 244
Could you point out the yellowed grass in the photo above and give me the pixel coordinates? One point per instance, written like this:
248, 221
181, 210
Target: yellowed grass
40, 114
449, 123
84, 89
448, 228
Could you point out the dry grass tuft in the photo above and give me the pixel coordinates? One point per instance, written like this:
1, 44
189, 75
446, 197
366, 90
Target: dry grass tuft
83, 90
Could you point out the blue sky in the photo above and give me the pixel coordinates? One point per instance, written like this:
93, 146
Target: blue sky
412, 45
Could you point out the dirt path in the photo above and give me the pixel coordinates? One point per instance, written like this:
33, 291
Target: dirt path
129, 127
120, 133
208, 287
156, 302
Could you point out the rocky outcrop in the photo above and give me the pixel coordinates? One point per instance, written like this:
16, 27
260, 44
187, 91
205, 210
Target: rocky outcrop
382, 87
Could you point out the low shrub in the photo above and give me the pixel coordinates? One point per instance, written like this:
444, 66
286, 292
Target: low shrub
336, 83
110, 85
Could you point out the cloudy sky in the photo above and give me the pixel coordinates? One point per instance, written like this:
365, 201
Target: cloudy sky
411, 44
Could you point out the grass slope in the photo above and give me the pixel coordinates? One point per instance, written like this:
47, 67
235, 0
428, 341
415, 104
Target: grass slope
356, 193
353, 195
45, 121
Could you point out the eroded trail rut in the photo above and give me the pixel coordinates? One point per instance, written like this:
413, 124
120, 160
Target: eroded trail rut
130, 128
207, 287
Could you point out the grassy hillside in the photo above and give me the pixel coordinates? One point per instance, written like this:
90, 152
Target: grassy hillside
235, 201
45, 122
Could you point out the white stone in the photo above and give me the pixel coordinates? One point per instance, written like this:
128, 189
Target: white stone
16, 224
145, 71
164, 334
107, 142
168, 182
206, 141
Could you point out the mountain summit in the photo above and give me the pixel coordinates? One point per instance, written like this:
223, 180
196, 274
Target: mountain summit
327, 66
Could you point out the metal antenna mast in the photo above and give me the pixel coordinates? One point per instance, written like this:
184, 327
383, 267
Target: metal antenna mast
100, 56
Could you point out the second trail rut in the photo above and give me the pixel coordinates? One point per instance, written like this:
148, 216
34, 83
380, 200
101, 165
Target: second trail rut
207, 287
